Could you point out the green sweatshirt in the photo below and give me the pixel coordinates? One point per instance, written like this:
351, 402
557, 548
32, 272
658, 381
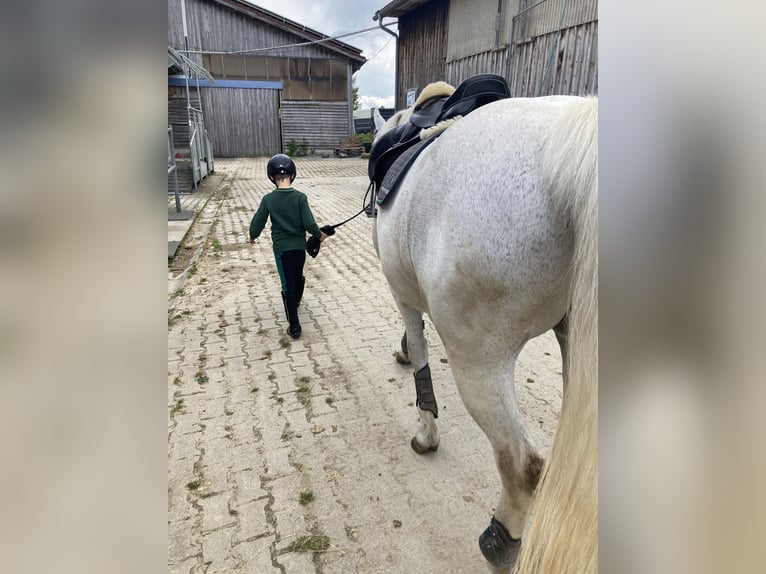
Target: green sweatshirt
291, 218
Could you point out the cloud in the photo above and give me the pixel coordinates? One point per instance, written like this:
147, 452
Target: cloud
369, 102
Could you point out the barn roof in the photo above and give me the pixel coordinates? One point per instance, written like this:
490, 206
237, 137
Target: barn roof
177, 60
398, 7
347, 50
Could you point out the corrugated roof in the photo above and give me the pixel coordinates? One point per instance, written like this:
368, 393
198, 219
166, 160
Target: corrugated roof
300, 30
176, 58
398, 7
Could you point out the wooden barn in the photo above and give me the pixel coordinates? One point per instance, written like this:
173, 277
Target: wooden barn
540, 47
276, 81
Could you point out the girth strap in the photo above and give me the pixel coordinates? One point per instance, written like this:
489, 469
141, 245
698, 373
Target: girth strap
424, 388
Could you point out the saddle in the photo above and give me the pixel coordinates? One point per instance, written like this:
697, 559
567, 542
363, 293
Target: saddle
397, 149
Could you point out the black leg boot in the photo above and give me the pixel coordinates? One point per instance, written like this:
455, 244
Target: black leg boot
291, 302
284, 302
299, 289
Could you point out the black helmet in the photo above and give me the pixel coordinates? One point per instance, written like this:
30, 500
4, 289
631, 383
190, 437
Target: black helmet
280, 163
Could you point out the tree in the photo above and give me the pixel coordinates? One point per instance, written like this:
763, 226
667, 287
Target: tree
355, 93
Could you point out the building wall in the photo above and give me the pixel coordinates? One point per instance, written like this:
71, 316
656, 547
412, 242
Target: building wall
319, 123
422, 47
520, 40
246, 122
242, 122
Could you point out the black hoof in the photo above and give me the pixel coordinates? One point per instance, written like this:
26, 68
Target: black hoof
498, 546
418, 448
401, 358
294, 332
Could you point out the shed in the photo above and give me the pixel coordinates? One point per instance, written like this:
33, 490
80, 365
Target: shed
540, 47
277, 81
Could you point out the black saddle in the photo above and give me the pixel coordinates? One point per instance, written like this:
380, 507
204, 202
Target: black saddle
471, 94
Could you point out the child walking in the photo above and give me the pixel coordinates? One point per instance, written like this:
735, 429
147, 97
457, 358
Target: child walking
291, 218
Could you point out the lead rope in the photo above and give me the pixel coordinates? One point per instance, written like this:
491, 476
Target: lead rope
364, 201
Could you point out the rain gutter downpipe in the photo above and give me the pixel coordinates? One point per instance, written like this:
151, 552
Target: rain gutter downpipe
379, 19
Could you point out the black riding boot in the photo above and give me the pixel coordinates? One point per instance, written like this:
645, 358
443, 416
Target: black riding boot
299, 289
284, 302
291, 302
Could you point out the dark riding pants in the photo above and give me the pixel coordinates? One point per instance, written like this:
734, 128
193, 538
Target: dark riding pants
290, 266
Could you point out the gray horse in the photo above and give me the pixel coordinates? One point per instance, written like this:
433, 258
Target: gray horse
493, 233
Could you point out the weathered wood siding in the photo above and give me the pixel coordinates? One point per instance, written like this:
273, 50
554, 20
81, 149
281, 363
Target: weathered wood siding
422, 47
472, 28
246, 121
215, 27
321, 124
242, 122
572, 69
541, 48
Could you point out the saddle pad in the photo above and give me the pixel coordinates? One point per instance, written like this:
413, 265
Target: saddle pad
399, 169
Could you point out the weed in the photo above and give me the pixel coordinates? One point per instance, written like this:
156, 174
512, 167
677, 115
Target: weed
186, 312
194, 484
261, 331
192, 270
303, 389
329, 400
312, 543
280, 400
216, 245
267, 354
284, 343
179, 406
201, 377
177, 293
177, 380
304, 379
305, 498
204, 280
172, 320
243, 329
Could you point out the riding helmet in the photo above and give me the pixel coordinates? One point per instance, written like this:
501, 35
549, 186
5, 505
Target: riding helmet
280, 163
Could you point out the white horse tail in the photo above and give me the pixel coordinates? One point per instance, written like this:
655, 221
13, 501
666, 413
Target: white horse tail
563, 533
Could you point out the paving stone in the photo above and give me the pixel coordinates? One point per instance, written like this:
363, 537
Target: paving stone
358, 463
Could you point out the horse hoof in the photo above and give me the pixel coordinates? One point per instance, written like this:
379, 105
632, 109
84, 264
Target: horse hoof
498, 546
401, 358
420, 449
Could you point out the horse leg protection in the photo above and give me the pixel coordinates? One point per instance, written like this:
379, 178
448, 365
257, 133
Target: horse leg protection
424, 389
498, 546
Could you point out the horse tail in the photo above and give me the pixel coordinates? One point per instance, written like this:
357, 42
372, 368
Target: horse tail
563, 532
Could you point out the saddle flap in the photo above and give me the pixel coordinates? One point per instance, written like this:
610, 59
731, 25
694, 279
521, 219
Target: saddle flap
425, 116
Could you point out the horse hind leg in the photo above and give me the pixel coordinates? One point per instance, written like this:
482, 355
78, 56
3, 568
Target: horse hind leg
414, 343
487, 391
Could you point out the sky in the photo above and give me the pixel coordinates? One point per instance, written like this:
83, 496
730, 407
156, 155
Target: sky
375, 79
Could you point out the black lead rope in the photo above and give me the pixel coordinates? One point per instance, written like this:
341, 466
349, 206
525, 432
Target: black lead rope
364, 201
313, 243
